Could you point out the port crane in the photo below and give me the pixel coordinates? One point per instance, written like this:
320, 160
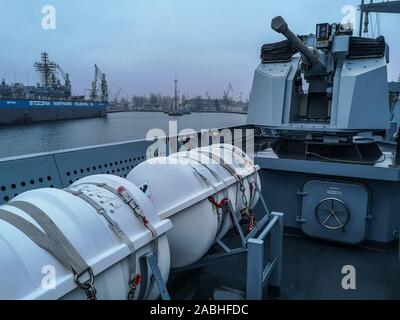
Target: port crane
117, 95
64, 75
99, 82
67, 88
228, 91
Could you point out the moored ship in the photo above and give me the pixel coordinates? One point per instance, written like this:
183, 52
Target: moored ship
50, 99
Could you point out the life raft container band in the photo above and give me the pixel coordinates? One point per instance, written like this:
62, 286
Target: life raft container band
103, 212
127, 199
125, 196
115, 228
51, 239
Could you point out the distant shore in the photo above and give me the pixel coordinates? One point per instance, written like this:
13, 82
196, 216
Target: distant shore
225, 112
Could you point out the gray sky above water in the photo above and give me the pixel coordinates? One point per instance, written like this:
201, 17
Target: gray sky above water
142, 44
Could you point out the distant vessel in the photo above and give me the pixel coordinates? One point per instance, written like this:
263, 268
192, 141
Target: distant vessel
176, 110
49, 99
186, 110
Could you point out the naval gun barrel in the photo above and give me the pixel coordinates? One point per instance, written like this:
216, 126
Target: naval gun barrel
279, 25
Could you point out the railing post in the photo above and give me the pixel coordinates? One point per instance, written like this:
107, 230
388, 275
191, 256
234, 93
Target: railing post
276, 247
255, 269
153, 263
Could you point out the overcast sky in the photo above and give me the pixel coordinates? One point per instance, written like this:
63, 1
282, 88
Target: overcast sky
142, 44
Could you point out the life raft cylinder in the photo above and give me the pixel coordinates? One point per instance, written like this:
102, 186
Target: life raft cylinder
190, 188
29, 272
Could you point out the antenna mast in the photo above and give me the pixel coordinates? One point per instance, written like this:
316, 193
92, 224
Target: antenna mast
46, 69
176, 97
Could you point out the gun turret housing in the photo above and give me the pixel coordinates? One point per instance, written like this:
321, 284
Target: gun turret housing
335, 89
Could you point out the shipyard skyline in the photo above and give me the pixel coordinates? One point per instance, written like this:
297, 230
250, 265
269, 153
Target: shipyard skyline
197, 42
52, 98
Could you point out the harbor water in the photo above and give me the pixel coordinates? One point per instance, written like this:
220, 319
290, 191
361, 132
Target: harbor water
116, 127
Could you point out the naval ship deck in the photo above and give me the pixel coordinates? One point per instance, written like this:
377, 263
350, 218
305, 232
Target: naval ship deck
311, 270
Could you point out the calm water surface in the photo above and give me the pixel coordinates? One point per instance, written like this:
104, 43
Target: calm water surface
117, 127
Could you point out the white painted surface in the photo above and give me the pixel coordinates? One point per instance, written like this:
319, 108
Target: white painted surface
22, 260
178, 192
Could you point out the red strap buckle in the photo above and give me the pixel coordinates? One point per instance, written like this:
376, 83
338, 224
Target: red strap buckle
136, 281
121, 189
216, 204
128, 198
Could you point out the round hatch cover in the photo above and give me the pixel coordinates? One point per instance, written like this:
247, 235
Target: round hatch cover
332, 214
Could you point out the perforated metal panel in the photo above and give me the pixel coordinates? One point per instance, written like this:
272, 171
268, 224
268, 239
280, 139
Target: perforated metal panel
61, 169
20, 175
117, 160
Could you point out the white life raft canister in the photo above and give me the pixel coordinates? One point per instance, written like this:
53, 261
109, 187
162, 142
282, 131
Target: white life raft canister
89, 215
189, 187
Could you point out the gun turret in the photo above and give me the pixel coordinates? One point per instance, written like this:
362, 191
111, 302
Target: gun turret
325, 92
310, 57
